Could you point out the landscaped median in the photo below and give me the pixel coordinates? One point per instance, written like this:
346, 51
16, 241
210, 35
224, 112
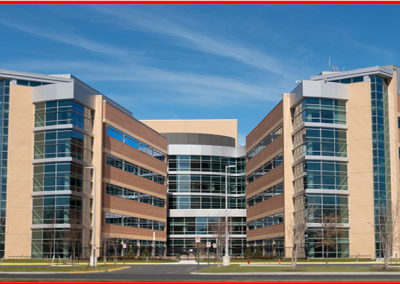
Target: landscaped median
305, 261
63, 269
56, 262
239, 269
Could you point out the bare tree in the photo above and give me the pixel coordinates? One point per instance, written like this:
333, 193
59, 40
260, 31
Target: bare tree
219, 231
202, 247
70, 237
50, 231
332, 229
297, 229
387, 228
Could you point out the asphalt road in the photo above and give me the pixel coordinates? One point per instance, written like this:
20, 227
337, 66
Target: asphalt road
183, 273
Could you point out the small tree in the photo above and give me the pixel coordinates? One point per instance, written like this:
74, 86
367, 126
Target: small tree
219, 231
332, 229
131, 253
248, 253
297, 229
50, 235
386, 228
146, 252
258, 252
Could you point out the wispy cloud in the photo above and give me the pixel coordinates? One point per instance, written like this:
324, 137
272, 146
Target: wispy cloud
136, 18
182, 88
63, 37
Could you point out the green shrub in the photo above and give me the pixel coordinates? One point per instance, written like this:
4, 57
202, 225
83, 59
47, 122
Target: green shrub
146, 252
248, 253
258, 252
130, 252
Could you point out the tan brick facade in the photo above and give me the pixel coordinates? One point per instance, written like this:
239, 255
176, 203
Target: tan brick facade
112, 175
276, 204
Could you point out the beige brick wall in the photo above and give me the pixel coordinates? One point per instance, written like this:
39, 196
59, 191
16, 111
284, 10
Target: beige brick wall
20, 172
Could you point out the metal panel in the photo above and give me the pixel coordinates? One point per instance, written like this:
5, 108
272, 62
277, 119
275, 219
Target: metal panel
199, 139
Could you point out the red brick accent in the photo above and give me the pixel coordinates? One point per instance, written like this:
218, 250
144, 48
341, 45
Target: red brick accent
127, 151
264, 154
136, 233
129, 123
280, 228
133, 180
131, 206
265, 206
264, 126
268, 178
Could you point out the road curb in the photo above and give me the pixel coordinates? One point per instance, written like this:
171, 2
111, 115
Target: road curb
115, 269
302, 273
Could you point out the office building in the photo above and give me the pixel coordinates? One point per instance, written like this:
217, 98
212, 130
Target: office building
199, 154
331, 144
60, 141
74, 161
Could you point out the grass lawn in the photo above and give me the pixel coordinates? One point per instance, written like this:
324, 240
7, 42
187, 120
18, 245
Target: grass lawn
330, 260
57, 269
235, 268
99, 261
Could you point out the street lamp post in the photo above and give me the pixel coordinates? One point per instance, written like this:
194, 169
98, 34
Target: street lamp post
93, 259
226, 260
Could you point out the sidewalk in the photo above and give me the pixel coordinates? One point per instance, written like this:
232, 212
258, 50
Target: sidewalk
300, 273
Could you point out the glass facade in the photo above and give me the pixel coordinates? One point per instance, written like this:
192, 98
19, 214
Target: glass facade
49, 242
322, 174
315, 141
265, 195
57, 176
206, 184
121, 220
266, 221
187, 246
4, 115
135, 143
314, 174
265, 142
62, 143
134, 195
114, 247
206, 164
319, 110
270, 165
316, 249
61, 209
134, 169
63, 112
198, 183
71, 210
269, 247
320, 205
204, 225
205, 202
380, 152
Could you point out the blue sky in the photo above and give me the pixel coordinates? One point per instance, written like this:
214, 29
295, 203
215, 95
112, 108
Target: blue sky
197, 61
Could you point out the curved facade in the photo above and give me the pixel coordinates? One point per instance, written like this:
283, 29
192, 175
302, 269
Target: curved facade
196, 196
199, 139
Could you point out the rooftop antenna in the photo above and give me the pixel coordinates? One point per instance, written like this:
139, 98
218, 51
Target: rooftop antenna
343, 68
335, 69
329, 64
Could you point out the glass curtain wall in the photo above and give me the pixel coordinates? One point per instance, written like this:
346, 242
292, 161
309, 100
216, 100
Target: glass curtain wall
70, 210
4, 114
380, 155
198, 183
318, 173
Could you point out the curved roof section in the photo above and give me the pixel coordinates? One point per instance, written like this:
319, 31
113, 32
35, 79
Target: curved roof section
199, 139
